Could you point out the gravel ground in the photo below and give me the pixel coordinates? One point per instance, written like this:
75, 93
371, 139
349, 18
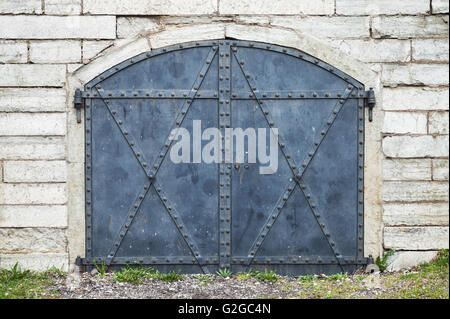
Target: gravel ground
88, 286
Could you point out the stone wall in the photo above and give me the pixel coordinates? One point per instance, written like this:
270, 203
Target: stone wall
45, 44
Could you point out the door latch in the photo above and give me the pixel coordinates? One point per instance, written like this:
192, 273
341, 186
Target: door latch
78, 103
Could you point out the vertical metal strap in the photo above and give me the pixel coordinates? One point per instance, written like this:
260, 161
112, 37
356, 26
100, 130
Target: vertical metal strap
224, 167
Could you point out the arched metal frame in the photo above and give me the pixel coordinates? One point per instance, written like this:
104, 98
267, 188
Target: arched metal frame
228, 54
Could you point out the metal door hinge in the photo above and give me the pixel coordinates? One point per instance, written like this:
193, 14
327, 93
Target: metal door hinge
369, 97
78, 103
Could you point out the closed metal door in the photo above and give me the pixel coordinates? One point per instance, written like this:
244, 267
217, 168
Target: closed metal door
304, 216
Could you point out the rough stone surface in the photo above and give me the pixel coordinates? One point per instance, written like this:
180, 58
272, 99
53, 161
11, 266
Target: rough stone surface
276, 7
429, 214
438, 123
440, 6
407, 169
149, 7
331, 27
13, 52
30, 148
174, 35
416, 238
92, 48
55, 51
114, 56
33, 216
414, 191
20, 6
430, 50
128, 27
415, 146
62, 7
32, 124
57, 27
406, 259
372, 7
37, 262
32, 100
405, 122
34, 171
440, 170
16, 194
415, 98
20, 75
26, 240
376, 50
415, 74
410, 26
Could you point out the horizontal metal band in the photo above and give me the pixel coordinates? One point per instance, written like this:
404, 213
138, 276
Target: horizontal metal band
210, 94
154, 260
238, 260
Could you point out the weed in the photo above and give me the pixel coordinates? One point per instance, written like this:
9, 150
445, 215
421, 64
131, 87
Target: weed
243, 276
170, 276
134, 275
205, 279
270, 276
306, 278
16, 283
359, 278
102, 268
382, 262
338, 276
224, 273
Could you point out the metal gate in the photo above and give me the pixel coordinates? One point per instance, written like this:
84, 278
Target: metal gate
142, 207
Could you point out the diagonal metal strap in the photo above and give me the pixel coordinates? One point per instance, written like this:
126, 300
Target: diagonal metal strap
289, 189
126, 224
265, 111
132, 142
312, 202
312, 150
184, 109
177, 220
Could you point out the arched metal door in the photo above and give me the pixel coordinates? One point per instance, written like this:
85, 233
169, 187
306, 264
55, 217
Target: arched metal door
142, 207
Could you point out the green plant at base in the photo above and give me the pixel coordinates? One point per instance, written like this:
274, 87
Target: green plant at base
382, 262
224, 273
170, 276
16, 283
102, 268
270, 276
338, 276
134, 275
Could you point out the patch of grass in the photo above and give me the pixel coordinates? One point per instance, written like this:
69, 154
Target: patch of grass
102, 268
16, 283
359, 278
270, 276
306, 278
411, 275
439, 263
338, 276
170, 276
243, 276
431, 281
134, 275
382, 262
224, 273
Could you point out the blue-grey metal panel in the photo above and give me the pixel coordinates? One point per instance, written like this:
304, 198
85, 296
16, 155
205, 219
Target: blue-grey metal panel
141, 207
